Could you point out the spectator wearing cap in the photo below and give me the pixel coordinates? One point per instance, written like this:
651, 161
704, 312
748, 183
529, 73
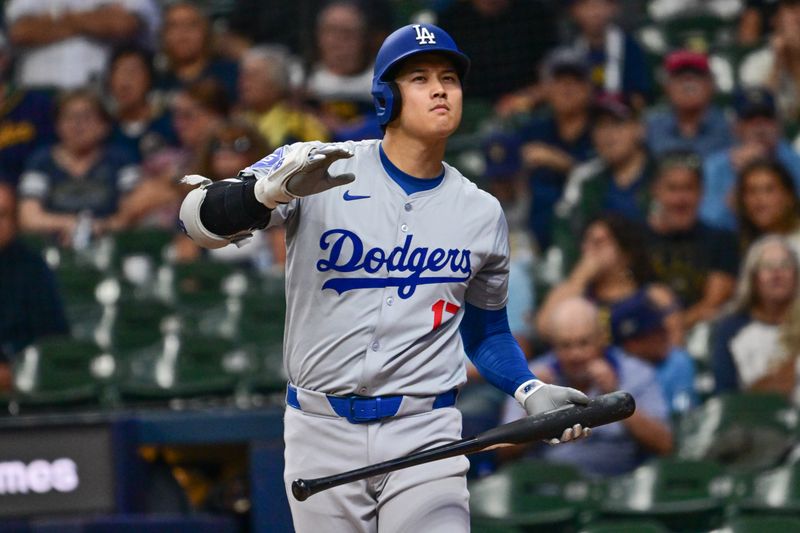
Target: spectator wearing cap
758, 135
690, 121
618, 63
639, 328
617, 180
698, 262
747, 351
66, 43
582, 358
777, 64
554, 143
26, 120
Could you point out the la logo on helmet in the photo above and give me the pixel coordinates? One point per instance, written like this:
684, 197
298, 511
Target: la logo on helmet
424, 36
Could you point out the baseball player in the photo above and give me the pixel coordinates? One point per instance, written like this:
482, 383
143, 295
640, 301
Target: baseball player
396, 266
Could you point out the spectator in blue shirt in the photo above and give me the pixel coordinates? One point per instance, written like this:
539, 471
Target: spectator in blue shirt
582, 360
691, 121
639, 328
758, 132
553, 144
618, 63
30, 306
26, 120
81, 173
141, 124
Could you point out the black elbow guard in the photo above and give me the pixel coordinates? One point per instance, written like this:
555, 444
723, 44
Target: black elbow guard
230, 206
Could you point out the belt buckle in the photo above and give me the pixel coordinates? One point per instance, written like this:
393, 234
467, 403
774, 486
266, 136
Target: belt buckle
363, 410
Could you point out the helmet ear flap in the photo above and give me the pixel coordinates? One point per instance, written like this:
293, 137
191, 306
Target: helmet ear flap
387, 101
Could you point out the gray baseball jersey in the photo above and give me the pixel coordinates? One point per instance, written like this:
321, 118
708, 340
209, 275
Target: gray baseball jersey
376, 279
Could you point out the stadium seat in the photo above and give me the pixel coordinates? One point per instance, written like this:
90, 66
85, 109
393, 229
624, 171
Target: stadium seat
773, 491
181, 366
531, 495
57, 371
624, 526
762, 524
142, 242
745, 432
138, 324
682, 495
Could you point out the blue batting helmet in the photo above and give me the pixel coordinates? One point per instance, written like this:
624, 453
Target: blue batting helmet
400, 45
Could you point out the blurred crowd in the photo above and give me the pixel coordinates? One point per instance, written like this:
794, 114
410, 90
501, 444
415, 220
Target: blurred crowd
646, 154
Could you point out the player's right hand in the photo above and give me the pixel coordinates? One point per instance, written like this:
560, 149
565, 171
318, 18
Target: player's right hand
544, 397
298, 170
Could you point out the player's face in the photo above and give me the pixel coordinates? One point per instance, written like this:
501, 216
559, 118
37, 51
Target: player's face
677, 193
766, 201
432, 97
775, 276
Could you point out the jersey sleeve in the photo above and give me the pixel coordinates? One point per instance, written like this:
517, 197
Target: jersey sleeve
489, 288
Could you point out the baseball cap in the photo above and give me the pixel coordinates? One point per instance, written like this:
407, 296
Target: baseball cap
615, 106
754, 102
687, 61
566, 60
501, 153
634, 317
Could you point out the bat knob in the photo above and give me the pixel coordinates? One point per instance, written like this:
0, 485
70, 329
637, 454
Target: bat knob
300, 490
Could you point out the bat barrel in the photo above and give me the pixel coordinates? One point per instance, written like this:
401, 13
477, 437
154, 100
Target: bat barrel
599, 411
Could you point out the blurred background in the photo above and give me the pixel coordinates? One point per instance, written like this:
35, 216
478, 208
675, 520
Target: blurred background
645, 152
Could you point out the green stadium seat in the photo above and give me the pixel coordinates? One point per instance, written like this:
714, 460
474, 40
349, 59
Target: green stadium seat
58, 371
181, 366
531, 495
143, 242
682, 495
625, 526
745, 432
773, 491
762, 524
138, 324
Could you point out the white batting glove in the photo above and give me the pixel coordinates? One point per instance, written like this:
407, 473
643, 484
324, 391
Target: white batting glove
297, 170
538, 397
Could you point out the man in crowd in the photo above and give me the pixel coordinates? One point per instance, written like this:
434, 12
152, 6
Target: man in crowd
691, 120
581, 360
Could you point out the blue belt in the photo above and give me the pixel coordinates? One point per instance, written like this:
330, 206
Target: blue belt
363, 409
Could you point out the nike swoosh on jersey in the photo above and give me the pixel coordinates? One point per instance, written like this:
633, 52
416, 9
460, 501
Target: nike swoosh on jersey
350, 197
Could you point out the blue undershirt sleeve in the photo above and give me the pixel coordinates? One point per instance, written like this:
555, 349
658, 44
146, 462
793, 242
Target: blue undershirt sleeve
492, 349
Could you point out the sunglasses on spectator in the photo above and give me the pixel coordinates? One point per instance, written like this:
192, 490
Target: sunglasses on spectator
239, 145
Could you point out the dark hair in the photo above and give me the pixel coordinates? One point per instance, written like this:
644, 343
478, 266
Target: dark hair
133, 50
630, 237
241, 135
210, 95
747, 229
686, 159
83, 93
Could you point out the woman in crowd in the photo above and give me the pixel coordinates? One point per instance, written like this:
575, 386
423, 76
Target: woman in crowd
767, 202
80, 174
141, 123
747, 350
234, 145
613, 270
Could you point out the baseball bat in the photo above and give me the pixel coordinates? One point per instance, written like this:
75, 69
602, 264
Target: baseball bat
599, 411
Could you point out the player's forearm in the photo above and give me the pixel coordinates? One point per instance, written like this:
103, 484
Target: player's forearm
232, 208
654, 435
493, 350
39, 30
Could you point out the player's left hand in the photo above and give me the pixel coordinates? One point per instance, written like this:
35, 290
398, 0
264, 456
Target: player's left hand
548, 397
298, 170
